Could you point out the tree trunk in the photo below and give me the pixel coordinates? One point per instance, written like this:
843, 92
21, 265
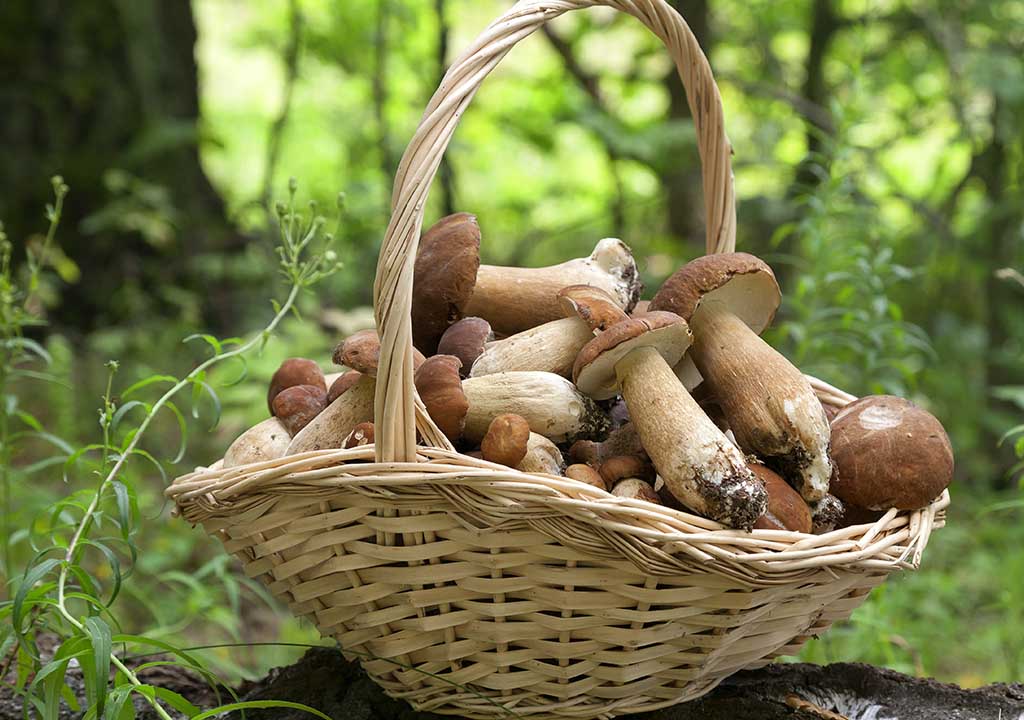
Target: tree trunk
90, 87
323, 680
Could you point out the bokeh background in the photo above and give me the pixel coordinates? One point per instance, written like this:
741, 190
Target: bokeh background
879, 153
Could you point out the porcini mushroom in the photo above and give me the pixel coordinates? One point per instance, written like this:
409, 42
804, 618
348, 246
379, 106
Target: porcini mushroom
586, 474
827, 514
297, 405
728, 299
450, 283
636, 489
786, 509
362, 434
889, 453
294, 371
267, 440
552, 346
440, 388
699, 465
361, 351
466, 339
330, 428
623, 440
542, 456
509, 442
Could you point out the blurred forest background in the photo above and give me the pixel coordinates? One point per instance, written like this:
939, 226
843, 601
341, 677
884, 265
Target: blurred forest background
879, 154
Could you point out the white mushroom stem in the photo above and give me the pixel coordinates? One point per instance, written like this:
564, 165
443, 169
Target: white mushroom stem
771, 408
542, 456
330, 428
550, 347
267, 440
515, 299
551, 405
700, 467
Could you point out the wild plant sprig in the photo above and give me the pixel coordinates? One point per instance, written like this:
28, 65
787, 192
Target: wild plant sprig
305, 259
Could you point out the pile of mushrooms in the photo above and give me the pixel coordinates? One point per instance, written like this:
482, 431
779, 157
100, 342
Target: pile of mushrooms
563, 370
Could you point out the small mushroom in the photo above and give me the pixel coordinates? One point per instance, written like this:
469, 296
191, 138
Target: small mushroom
698, 463
267, 440
465, 340
827, 514
294, 371
551, 405
552, 346
623, 440
361, 351
889, 453
342, 383
362, 434
450, 283
728, 299
331, 427
642, 307
618, 467
586, 474
542, 456
297, 405
636, 489
506, 439
786, 509
440, 388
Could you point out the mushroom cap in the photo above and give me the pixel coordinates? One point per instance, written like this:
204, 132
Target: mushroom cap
342, 384
592, 305
440, 388
465, 340
444, 277
362, 434
506, 440
786, 509
636, 489
594, 371
586, 474
297, 405
888, 452
294, 371
618, 467
361, 351
743, 283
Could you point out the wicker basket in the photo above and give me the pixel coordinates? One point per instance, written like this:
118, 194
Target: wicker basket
469, 588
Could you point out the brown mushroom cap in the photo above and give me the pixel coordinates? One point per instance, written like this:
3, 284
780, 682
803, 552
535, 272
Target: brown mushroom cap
440, 387
594, 371
786, 509
465, 340
294, 371
636, 489
586, 474
592, 305
506, 440
343, 383
743, 283
362, 434
618, 467
444, 277
297, 405
888, 452
361, 351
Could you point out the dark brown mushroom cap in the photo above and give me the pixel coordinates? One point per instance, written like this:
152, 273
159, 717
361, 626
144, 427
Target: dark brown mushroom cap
465, 340
444, 277
786, 509
440, 387
342, 384
361, 351
294, 371
594, 370
888, 452
297, 405
506, 440
743, 283
592, 305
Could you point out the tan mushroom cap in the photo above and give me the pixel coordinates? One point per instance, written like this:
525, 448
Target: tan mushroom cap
506, 440
444, 277
888, 452
594, 371
592, 305
786, 509
466, 340
361, 351
743, 283
440, 387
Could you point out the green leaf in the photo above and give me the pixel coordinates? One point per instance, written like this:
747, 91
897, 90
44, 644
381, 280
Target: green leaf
31, 577
182, 430
257, 705
177, 702
146, 382
210, 340
124, 410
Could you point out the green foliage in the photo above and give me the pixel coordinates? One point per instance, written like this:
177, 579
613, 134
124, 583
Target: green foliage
81, 547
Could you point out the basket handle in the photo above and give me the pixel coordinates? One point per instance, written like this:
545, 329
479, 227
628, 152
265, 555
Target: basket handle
397, 410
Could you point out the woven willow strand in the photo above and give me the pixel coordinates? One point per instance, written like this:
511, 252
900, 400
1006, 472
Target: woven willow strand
396, 412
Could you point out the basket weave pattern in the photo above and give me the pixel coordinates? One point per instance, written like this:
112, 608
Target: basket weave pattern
471, 588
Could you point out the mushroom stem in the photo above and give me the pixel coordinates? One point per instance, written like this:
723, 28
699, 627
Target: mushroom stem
515, 299
699, 465
771, 407
551, 405
550, 347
